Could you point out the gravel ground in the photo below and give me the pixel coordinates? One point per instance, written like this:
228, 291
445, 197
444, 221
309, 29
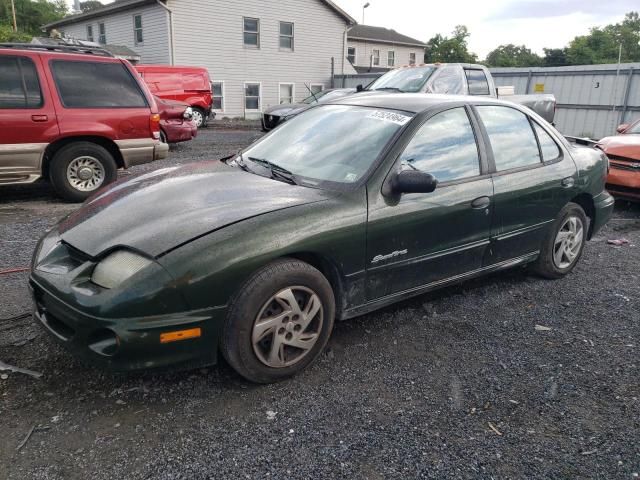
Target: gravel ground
455, 384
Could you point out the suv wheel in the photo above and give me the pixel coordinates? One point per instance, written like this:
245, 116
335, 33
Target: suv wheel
279, 322
79, 169
198, 117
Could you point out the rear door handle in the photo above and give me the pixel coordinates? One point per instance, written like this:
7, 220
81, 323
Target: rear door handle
480, 203
568, 182
39, 118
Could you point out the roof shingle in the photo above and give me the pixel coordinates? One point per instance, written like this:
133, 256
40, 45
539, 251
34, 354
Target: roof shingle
382, 35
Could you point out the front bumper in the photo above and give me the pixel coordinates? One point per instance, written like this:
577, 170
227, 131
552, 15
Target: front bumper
182, 131
128, 344
624, 180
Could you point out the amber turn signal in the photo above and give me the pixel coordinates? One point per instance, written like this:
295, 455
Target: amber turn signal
180, 335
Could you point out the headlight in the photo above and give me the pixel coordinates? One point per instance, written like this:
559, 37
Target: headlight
188, 113
118, 267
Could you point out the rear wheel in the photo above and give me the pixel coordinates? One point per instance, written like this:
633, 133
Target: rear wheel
80, 169
279, 322
199, 117
564, 244
163, 137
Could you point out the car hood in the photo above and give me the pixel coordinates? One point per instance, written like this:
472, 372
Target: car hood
286, 109
159, 211
622, 146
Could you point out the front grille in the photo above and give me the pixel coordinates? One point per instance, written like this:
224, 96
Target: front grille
621, 189
270, 121
631, 166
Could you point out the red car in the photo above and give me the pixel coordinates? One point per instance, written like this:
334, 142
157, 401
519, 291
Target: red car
176, 121
191, 85
73, 115
623, 151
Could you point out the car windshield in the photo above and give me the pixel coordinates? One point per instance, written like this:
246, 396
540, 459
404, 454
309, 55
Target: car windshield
329, 143
635, 128
316, 97
410, 79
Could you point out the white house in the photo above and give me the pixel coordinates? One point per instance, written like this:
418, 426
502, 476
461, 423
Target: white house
377, 49
258, 53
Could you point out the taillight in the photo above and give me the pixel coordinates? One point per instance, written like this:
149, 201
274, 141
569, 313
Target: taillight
154, 125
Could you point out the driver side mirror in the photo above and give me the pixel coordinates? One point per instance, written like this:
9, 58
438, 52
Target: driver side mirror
622, 128
412, 181
359, 88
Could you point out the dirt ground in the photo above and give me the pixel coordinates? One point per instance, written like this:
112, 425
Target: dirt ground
509, 376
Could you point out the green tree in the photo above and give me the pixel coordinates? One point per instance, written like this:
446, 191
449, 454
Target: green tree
32, 14
513, 56
90, 5
452, 49
8, 35
555, 57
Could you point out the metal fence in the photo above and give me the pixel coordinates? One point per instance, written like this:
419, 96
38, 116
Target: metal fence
592, 99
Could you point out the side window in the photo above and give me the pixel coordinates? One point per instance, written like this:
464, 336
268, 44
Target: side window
448, 81
512, 140
19, 85
548, 147
445, 147
477, 81
96, 85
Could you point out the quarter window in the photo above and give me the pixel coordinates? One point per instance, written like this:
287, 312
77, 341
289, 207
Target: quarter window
512, 140
375, 57
391, 58
477, 80
412, 58
548, 147
19, 84
286, 93
445, 147
96, 85
351, 55
252, 96
137, 29
252, 32
286, 35
90, 33
102, 31
218, 95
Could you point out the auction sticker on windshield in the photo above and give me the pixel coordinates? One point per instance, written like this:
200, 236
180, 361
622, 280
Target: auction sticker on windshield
396, 118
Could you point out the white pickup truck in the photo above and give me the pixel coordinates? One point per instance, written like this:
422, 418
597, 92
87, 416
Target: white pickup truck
458, 79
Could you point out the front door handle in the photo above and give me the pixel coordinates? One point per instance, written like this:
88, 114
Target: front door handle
568, 182
480, 203
39, 118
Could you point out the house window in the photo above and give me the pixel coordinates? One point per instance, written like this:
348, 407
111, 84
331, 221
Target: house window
252, 95
351, 54
102, 31
316, 88
251, 32
412, 58
217, 89
137, 29
375, 58
90, 33
286, 35
286, 93
391, 58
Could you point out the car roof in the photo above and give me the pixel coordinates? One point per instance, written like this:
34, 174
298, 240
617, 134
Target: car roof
412, 102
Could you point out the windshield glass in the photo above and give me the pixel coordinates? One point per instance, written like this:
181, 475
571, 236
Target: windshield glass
634, 128
334, 143
314, 99
404, 79
328, 96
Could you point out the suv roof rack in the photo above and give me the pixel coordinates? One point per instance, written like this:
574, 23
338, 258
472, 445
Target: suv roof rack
59, 48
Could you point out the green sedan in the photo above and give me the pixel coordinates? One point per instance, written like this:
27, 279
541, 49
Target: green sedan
347, 208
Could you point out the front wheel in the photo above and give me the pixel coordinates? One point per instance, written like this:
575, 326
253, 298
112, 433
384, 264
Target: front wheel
564, 244
279, 322
198, 117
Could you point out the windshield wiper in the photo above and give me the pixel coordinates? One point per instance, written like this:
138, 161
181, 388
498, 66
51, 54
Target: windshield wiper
277, 172
396, 89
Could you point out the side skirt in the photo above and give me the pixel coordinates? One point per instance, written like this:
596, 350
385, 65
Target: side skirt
399, 296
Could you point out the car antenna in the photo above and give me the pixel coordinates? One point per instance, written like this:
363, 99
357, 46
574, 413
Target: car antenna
312, 94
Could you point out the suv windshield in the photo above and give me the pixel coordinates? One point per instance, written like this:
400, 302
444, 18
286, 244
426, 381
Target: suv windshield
330, 143
410, 79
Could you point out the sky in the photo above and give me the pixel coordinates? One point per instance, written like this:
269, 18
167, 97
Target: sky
534, 23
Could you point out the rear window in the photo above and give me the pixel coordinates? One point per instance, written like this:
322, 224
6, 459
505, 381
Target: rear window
477, 81
96, 85
19, 84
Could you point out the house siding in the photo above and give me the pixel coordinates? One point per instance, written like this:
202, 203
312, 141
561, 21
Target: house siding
119, 31
364, 50
210, 34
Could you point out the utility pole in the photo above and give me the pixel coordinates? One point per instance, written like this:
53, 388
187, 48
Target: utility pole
13, 10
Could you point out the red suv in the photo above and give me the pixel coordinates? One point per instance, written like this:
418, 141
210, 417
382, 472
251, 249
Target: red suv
73, 115
191, 85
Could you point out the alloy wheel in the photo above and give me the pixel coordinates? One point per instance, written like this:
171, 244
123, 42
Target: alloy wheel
85, 173
287, 327
198, 117
568, 242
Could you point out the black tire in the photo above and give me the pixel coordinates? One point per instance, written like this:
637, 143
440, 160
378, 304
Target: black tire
203, 122
546, 266
253, 299
163, 137
61, 161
